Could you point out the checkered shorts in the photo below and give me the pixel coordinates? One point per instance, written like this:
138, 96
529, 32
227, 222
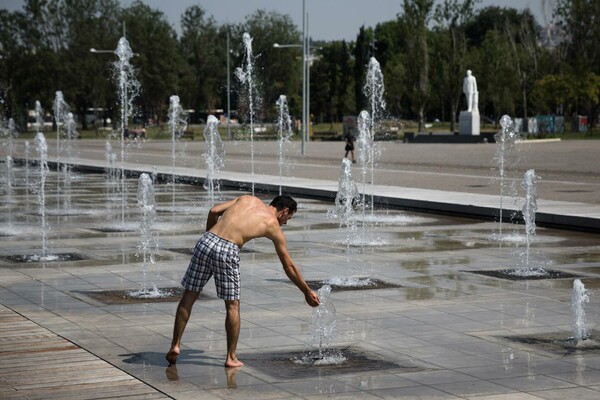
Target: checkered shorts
214, 256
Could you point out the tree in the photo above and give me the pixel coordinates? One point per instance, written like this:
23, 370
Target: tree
417, 14
451, 17
283, 66
498, 80
363, 50
331, 84
91, 24
391, 52
552, 93
203, 47
578, 20
154, 41
524, 48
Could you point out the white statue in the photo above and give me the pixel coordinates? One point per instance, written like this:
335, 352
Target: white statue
470, 90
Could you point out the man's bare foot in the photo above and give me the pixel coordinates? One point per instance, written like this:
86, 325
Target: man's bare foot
172, 356
233, 362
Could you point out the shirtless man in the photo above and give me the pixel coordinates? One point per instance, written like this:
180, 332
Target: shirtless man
228, 226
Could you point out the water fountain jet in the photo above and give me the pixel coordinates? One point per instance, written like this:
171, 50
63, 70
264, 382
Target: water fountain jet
506, 158
578, 299
245, 75
214, 156
178, 125
284, 133
148, 244
128, 89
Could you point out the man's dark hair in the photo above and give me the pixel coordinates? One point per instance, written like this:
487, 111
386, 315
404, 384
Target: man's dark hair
284, 201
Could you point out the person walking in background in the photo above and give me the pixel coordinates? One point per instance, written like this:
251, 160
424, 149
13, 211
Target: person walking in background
350, 139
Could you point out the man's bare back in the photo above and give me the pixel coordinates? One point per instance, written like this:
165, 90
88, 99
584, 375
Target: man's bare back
243, 219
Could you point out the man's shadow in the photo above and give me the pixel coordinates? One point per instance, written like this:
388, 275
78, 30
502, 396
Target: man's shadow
187, 356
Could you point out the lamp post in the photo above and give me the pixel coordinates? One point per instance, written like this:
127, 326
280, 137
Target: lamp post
305, 75
305, 88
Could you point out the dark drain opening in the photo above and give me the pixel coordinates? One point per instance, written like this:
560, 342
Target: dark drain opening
288, 365
114, 230
35, 258
353, 284
518, 275
558, 341
169, 294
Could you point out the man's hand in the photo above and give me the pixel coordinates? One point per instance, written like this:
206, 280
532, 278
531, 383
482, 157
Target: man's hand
312, 298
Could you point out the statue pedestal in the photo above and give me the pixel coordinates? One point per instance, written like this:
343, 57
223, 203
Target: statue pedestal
468, 122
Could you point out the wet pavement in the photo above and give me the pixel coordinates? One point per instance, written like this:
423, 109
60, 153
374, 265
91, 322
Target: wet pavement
436, 331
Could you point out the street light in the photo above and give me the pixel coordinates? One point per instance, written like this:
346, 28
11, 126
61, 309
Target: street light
304, 91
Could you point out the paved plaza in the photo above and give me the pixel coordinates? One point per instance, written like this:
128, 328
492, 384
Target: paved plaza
435, 329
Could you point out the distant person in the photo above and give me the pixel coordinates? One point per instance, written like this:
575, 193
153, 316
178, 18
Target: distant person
228, 226
470, 91
350, 139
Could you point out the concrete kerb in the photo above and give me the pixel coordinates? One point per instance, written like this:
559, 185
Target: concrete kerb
580, 217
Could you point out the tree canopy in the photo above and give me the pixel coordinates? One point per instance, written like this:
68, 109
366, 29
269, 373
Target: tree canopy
424, 51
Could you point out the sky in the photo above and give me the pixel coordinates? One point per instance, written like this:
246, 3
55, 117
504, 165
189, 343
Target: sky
327, 19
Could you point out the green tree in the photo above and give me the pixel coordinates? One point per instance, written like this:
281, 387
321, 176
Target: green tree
451, 17
363, 51
578, 20
331, 85
525, 53
391, 52
157, 59
552, 93
416, 17
203, 46
279, 71
498, 80
91, 24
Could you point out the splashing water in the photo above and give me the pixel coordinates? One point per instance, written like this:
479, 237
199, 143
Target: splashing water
39, 116
284, 133
365, 153
529, 209
578, 299
68, 150
506, 159
347, 197
10, 132
347, 200
148, 245
214, 156
128, 89
323, 333
9, 184
245, 75
42, 148
374, 90
27, 153
178, 125
110, 156
60, 109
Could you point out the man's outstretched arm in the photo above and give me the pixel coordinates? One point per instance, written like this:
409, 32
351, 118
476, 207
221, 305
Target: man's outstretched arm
292, 271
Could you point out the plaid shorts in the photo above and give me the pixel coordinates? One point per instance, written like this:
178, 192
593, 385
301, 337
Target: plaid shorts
214, 256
